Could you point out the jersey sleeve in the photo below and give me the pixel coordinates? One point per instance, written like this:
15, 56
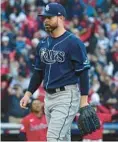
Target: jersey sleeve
78, 55
38, 65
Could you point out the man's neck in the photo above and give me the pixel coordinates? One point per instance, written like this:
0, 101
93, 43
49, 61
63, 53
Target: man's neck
58, 32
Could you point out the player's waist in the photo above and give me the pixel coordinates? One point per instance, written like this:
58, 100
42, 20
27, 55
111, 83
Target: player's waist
62, 88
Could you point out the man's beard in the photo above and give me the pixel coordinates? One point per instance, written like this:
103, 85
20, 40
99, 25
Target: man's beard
50, 28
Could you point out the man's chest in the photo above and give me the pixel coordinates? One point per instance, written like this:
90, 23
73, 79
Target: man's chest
52, 52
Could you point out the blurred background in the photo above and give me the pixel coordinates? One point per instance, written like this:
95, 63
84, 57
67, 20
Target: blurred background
95, 22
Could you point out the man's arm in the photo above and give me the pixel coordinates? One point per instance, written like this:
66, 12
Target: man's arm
84, 87
88, 120
35, 82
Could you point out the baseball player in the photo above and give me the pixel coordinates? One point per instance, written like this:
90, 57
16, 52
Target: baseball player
61, 61
34, 125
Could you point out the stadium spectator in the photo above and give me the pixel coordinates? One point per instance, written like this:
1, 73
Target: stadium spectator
4, 65
5, 81
110, 97
34, 126
6, 47
15, 113
21, 78
112, 56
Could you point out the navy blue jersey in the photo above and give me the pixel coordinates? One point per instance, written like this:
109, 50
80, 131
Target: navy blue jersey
60, 58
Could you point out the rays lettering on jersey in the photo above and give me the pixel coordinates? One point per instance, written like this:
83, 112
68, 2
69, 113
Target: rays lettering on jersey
51, 56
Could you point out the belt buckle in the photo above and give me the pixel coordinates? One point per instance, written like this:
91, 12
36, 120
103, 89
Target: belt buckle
57, 89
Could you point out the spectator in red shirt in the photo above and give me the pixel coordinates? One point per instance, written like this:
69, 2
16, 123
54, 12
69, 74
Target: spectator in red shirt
34, 126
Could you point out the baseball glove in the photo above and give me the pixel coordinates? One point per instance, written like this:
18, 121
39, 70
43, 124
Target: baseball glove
88, 120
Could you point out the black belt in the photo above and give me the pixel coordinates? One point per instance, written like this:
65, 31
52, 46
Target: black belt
52, 91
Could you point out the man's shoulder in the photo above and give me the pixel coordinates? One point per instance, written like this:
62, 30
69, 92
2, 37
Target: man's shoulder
75, 42
43, 40
28, 117
73, 38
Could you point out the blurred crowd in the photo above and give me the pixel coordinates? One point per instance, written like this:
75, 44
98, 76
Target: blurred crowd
95, 22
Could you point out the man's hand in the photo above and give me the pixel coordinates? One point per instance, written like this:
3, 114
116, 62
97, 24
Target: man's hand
88, 121
25, 100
